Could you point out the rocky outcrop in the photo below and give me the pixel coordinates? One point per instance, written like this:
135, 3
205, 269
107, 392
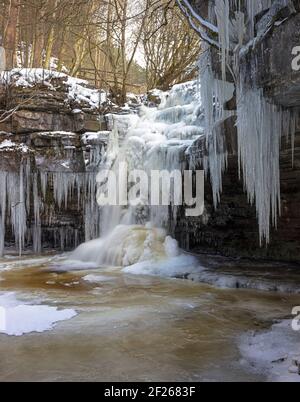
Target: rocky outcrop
50, 150
49, 104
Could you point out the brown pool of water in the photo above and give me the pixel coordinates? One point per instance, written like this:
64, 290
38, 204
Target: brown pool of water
133, 328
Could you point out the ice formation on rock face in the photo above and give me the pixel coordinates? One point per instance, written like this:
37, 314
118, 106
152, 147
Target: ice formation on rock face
158, 140
12, 206
222, 10
260, 124
28, 195
261, 127
214, 94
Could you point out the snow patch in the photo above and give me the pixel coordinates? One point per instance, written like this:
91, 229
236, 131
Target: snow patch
274, 353
17, 318
97, 278
78, 89
180, 266
6, 144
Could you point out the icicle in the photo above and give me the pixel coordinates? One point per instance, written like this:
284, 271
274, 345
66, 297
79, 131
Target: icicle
37, 205
3, 186
290, 121
214, 94
260, 129
254, 7
44, 183
16, 199
223, 20
91, 208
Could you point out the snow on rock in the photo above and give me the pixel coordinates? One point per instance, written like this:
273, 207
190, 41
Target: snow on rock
78, 89
57, 134
9, 145
93, 137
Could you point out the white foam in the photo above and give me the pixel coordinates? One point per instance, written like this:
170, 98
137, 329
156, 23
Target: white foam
127, 245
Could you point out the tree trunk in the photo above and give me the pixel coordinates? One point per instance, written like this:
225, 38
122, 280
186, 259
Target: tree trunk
38, 43
11, 34
51, 39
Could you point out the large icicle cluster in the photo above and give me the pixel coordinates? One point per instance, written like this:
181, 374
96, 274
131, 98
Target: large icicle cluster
30, 195
14, 201
254, 7
260, 128
260, 124
214, 94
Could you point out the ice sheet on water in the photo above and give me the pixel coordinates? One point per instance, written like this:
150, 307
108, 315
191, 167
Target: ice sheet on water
272, 352
179, 266
97, 278
18, 318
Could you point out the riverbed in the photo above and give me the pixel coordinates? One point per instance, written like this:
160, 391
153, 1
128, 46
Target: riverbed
106, 325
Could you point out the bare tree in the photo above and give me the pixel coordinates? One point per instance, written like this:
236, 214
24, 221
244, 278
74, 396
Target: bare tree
171, 48
10, 32
101, 40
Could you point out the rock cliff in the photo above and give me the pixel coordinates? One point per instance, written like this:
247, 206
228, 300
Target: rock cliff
52, 138
266, 64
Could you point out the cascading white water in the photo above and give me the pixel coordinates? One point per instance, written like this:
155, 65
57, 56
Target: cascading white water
156, 140
126, 245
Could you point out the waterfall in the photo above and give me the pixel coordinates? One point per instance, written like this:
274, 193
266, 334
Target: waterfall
40, 189
158, 139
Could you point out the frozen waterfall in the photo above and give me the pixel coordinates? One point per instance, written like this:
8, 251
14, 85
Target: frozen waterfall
158, 139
